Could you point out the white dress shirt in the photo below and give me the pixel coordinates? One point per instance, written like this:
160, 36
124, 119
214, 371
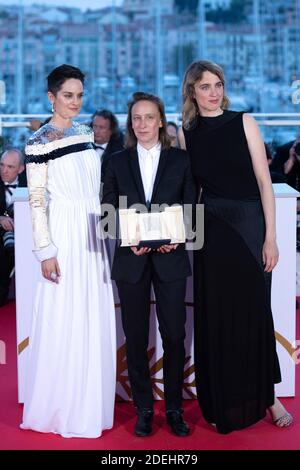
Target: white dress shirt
8, 196
100, 148
148, 161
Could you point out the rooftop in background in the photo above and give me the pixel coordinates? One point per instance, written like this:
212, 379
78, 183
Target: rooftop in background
92, 4
147, 45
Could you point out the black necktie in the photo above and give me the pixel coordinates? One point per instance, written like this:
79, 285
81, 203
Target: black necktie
97, 146
9, 186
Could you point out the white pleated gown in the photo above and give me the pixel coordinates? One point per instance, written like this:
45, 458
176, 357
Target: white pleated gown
71, 371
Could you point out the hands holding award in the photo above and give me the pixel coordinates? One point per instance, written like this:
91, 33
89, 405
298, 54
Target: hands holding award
161, 249
160, 231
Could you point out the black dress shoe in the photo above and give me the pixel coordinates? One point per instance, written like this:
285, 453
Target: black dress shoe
176, 423
143, 426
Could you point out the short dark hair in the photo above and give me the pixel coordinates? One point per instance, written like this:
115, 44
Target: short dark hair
60, 74
113, 121
131, 140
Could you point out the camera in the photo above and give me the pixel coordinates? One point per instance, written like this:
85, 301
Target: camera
10, 211
9, 236
8, 240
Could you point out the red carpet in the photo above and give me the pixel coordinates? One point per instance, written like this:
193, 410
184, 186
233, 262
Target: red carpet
263, 435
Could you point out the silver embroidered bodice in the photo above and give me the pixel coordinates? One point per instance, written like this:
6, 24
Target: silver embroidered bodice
62, 163
49, 133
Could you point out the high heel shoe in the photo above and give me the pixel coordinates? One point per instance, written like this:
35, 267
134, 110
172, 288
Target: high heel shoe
280, 417
283, 421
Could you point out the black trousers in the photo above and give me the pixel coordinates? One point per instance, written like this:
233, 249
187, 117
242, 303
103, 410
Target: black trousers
171, 313
6, 266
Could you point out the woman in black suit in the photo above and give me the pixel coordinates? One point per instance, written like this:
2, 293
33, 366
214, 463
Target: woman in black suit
150, 172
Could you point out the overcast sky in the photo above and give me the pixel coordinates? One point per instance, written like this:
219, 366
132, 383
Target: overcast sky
72, 3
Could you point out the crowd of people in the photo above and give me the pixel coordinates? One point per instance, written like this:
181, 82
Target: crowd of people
217, 158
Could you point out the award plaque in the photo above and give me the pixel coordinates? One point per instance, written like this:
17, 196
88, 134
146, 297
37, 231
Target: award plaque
151, 229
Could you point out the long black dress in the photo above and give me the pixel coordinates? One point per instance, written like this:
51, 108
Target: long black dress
236, 364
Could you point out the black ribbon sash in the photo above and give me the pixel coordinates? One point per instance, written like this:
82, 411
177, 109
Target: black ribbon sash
57, 153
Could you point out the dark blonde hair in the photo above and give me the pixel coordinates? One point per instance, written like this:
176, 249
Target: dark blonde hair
194, 73
131, 140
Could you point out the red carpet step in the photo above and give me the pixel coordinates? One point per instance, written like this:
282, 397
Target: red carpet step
263, 435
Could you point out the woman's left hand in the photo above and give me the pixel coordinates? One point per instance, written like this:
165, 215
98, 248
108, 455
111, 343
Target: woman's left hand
167, 248
270, 255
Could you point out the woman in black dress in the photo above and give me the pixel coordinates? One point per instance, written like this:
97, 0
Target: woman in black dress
236, 364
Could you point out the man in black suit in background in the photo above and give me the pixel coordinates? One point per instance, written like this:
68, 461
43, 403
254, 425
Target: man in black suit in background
12, 175
108, 136
150, 172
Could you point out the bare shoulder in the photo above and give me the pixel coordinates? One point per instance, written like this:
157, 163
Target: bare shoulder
249, 121
250, 126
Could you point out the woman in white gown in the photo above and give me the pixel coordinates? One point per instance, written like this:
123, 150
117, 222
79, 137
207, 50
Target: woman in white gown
71, 377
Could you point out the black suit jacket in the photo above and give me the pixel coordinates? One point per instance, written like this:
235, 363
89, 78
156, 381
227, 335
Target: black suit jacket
22, 184
173, 184
113, 146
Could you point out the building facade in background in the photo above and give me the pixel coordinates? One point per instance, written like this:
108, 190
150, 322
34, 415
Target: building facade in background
146, 45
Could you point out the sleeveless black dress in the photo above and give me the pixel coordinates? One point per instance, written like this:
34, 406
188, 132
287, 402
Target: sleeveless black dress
236, 364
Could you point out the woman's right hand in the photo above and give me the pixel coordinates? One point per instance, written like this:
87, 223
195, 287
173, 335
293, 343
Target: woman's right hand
140, 251
51, 270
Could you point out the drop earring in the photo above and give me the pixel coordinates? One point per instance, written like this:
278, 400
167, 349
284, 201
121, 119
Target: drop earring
52, 108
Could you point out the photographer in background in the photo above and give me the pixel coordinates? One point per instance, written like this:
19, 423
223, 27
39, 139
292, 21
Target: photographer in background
12, 175
287, 161
292, 166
